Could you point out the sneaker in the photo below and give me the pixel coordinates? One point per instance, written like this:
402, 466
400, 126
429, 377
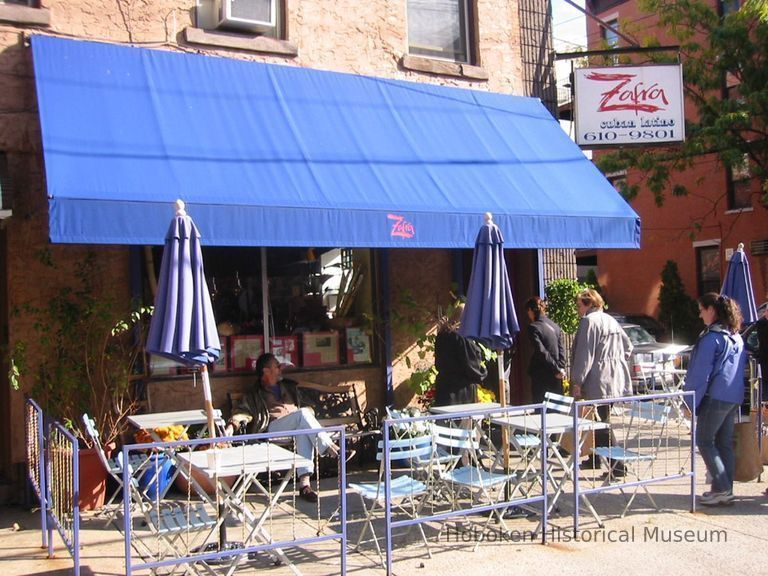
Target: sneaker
307, 494
716, 498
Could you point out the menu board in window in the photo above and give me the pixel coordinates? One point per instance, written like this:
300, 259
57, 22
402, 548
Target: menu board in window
285, 349
244, 351
358, 346
221, 364
321, 349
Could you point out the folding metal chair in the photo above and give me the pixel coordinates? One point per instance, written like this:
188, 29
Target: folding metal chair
648, 426
479, 484
407, 493
114, 466
527, 446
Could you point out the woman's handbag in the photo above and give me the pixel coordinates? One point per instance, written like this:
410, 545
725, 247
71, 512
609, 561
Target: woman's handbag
749, 463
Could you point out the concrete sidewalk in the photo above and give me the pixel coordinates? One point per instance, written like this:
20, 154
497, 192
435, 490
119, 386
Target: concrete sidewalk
716, 541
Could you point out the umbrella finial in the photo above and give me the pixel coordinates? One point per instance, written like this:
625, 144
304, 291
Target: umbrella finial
488, 218
180, 208
740, 247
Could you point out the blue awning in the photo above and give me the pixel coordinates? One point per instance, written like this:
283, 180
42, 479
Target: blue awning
268, 155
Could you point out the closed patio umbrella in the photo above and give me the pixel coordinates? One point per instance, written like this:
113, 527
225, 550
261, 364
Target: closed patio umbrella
738, 284
183, 327
489, 314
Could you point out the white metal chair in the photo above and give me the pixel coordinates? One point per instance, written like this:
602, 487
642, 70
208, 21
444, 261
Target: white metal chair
647, 427
527, 446
407, 493
481, 485
114, 466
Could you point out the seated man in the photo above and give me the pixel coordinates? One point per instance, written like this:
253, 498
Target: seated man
274, 402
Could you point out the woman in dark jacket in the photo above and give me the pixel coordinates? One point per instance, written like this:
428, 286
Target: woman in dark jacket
459, 365
547, 365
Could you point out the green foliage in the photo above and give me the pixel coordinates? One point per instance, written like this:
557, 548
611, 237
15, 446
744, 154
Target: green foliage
83, 355
677, 311
561, 303
713, 49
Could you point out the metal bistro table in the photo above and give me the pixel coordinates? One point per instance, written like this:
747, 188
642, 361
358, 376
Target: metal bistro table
247, 461
185, 418
556, 423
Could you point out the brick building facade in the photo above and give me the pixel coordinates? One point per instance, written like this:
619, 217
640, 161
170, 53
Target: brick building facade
698, 231
369, 38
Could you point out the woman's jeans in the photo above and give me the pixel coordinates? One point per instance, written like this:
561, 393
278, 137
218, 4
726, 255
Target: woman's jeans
714, 438
303, 419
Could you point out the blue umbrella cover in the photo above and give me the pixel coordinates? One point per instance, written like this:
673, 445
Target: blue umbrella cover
183, 327
489, 314
738, 284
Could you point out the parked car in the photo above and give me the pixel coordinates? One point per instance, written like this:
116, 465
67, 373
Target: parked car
749, 333
651, 325
651, 361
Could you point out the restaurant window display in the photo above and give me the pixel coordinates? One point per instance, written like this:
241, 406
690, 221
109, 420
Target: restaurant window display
317, 302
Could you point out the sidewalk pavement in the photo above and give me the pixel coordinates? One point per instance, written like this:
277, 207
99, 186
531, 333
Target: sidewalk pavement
711, 541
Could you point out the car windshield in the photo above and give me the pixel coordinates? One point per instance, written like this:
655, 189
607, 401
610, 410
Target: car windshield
638, 335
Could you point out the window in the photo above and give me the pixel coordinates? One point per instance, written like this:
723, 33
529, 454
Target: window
708, 268
610, 36
439, 29
729, 6
317, 304
739, 181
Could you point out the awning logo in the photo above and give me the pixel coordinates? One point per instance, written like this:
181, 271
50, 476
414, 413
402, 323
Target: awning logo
401, 227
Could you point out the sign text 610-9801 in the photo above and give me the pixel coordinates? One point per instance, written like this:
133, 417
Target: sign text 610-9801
636, 135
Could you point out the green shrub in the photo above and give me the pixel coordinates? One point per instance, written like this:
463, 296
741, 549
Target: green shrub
561, 303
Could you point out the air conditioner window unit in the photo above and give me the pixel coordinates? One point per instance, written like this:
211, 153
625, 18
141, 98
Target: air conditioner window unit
255, 15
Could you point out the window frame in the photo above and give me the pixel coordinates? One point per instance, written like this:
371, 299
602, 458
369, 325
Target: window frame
704, 285
467, 11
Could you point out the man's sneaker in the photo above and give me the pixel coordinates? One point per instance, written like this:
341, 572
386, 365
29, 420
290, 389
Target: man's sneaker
716, 498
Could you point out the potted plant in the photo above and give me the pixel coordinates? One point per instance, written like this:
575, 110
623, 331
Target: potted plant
83, 354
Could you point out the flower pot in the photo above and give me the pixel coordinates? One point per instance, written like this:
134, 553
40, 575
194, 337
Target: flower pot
93, 479
154, 481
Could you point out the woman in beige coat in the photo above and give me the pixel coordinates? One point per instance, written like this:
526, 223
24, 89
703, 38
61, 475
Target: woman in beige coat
599, 369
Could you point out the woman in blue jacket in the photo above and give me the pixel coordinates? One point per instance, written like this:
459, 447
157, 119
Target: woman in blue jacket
716, 375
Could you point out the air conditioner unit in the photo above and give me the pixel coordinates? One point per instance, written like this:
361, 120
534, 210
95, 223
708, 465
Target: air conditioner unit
255, 15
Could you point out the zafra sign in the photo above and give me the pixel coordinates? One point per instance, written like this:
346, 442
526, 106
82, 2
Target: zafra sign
624, 105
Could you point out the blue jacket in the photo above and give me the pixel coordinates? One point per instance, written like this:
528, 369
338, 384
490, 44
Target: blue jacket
717, 366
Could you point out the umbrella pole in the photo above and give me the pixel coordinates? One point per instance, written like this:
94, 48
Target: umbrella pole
212, 434
208, 401
504, 402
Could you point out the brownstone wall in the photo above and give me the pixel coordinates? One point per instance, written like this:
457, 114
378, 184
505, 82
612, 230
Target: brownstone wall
364, 37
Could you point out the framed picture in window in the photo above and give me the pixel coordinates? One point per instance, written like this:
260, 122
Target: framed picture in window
222, 364
285, 349
244, 351
358, 346
321, 349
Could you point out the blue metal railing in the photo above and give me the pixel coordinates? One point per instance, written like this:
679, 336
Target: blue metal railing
63, 491
662, 400
501, 504
196, 558
35, 437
